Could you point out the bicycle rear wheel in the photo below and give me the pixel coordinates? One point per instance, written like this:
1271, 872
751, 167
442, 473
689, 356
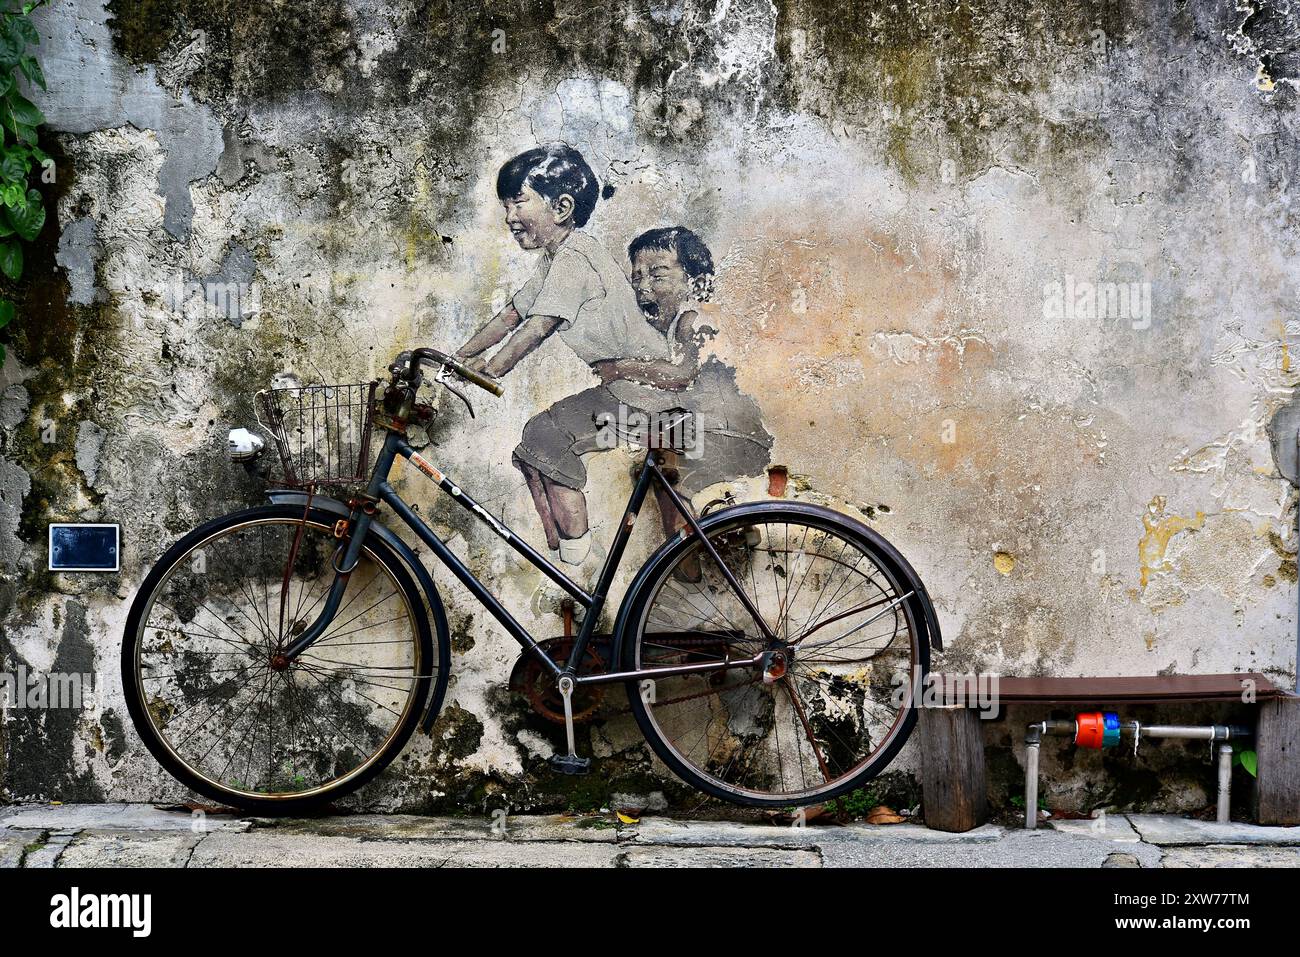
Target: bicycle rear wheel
830, 704
219, 710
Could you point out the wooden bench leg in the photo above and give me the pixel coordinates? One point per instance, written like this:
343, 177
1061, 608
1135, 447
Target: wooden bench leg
953, 783
1277, 749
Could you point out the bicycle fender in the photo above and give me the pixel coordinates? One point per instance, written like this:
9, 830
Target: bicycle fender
413, 563
921, 604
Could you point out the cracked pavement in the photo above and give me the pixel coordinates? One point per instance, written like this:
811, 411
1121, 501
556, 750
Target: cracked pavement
142, 835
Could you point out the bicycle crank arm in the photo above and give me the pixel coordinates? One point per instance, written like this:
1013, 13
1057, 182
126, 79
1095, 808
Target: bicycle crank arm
569, 763
668, 672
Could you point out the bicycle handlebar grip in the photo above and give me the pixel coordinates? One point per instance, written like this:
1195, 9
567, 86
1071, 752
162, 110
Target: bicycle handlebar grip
483, 381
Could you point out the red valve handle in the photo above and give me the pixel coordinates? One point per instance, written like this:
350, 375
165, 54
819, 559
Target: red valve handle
1091, 729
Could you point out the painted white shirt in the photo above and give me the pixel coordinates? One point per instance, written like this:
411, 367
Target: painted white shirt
583, 287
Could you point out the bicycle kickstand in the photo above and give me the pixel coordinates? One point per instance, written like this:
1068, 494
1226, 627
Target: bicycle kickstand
569, 763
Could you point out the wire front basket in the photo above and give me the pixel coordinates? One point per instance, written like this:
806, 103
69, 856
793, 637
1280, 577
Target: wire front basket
322, 432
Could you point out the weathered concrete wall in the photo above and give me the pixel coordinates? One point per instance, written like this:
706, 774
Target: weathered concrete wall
900, 197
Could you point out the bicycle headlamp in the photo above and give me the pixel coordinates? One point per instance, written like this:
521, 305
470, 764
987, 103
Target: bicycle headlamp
243, 445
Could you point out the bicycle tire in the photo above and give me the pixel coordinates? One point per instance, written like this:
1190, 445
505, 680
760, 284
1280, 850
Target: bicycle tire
135, 692
661, 565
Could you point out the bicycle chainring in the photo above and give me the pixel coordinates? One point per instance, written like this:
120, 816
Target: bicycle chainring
536, 683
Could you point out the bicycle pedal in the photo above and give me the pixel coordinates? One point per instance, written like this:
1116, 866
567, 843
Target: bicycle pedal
570, 764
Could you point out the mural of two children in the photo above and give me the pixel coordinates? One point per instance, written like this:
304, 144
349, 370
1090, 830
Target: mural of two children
642, 337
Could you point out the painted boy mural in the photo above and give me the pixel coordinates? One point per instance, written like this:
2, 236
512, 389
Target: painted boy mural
672, 275
642, 344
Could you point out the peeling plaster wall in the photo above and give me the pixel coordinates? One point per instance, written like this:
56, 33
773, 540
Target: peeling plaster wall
897, 194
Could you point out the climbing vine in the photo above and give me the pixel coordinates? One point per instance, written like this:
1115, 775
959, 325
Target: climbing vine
23, 210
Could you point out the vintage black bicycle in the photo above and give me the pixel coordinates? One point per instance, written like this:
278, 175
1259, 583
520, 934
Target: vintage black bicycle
281, 656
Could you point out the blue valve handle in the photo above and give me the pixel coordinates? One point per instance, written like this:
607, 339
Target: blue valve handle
1110, 729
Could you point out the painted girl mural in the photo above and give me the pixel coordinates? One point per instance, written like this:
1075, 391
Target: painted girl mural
634, 341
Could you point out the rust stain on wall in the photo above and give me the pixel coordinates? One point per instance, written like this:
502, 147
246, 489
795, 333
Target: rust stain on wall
1160, 528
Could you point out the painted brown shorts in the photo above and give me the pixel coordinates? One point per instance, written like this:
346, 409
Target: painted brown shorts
732, 439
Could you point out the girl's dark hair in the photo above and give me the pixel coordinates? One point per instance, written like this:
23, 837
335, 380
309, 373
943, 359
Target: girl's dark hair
690, 250
552, 170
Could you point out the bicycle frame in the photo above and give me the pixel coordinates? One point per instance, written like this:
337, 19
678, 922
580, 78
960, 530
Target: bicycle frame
380, 489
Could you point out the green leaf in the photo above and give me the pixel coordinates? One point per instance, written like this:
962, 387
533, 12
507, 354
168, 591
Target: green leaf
24, 133
38, 154
1248, 761
11, 45
6, 83
6, 312
11, 259
32, 70
23, 110
5, 229
26, 30
27, 219
15, 167
12, 194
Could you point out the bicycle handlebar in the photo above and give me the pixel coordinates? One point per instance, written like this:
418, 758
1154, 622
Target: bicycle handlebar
484, 382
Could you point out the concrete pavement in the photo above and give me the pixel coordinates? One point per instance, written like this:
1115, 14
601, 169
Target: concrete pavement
140, 835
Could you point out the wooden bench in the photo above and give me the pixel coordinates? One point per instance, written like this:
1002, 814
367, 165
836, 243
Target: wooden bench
953, 779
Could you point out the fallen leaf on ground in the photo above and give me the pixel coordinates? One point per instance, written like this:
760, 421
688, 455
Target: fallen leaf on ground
884, 815
784, 818
1074, 815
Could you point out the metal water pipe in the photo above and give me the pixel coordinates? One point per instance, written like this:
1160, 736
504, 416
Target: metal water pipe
1099, 730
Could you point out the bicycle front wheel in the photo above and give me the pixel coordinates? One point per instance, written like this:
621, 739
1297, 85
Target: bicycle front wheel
831, 700
224, 712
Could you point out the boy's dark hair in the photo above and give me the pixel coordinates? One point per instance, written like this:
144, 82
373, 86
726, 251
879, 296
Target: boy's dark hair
689, 248
552, 170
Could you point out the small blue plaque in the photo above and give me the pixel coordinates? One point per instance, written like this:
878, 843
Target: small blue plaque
77, 547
